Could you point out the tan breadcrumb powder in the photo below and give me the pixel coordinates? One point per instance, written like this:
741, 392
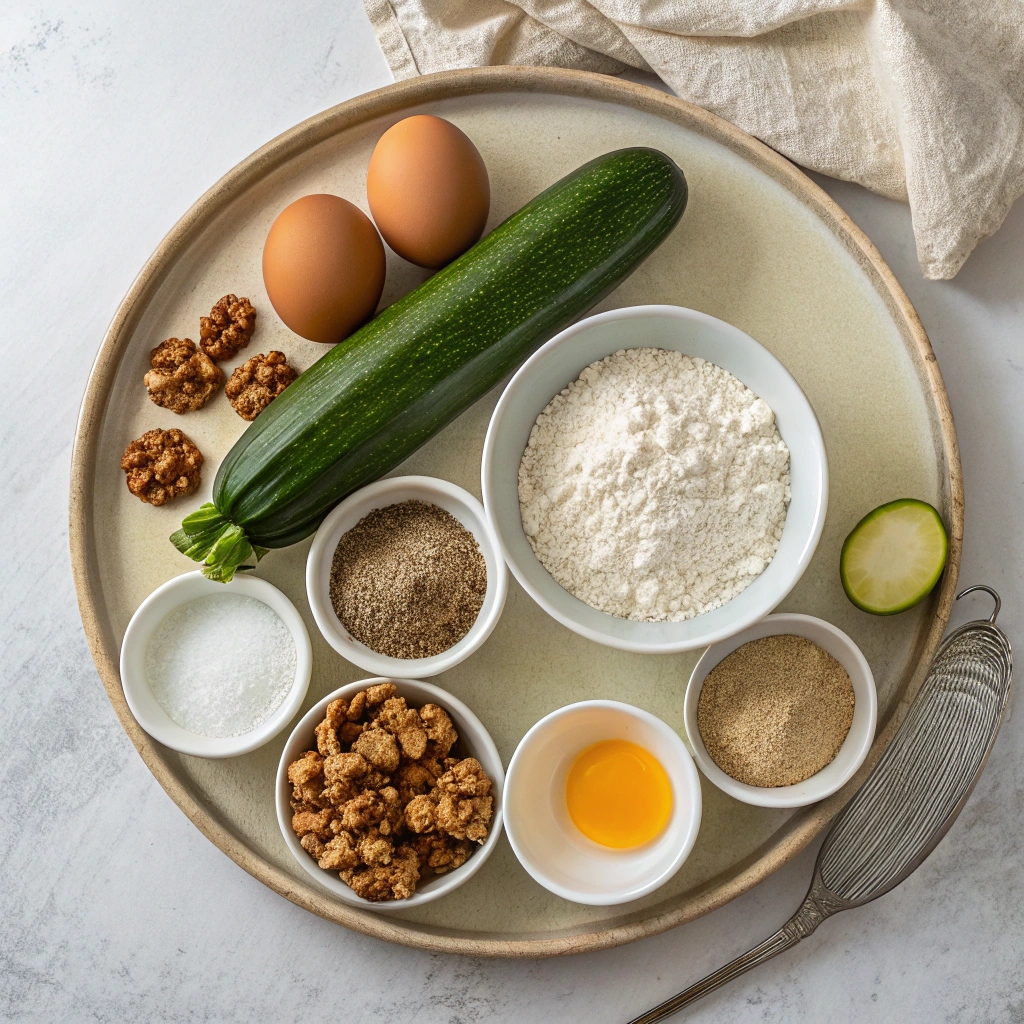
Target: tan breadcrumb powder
775, 711
408, 580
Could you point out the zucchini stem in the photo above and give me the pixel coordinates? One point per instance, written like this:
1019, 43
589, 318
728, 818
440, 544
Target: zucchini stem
208, 536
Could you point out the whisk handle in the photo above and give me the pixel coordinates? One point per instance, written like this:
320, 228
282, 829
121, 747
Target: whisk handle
991, 593
816, 907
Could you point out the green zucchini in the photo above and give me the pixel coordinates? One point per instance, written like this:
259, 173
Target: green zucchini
894, 556
377, 396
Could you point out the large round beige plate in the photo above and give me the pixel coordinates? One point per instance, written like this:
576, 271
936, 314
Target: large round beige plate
759, 246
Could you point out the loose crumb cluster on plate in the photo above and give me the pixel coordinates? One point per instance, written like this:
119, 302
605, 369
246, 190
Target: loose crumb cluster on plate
257, 382
228, 328
183, 377
381, 801
163, 465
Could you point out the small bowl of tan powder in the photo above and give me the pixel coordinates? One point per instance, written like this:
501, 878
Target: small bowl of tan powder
405, 577
782, 714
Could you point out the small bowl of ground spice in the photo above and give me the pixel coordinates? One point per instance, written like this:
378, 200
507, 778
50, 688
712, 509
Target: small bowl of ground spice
782, 714
405, 577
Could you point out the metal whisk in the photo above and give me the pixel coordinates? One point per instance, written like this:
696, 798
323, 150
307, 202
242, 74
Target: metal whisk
909, 800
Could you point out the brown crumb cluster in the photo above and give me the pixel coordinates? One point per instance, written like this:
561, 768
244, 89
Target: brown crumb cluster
183, 379
257, 382
161, 465
228, 328
380, 800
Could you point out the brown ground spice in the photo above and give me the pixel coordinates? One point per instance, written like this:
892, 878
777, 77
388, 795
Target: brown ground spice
408, 580
775, 711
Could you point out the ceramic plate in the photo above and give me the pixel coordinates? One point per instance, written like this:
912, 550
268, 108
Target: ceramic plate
759, 246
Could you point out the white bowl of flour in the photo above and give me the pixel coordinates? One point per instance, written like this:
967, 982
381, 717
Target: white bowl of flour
667, 498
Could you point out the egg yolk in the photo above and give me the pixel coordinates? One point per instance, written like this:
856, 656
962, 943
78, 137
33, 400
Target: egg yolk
618, 794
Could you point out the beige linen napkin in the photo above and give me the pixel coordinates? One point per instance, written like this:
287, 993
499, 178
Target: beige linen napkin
919, 100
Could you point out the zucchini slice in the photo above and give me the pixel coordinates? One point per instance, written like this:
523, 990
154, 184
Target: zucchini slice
894, 557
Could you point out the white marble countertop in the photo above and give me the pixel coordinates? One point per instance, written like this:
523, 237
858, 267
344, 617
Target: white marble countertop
114, 117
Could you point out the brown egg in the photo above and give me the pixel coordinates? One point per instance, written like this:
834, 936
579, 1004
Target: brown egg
323, 265
428, 190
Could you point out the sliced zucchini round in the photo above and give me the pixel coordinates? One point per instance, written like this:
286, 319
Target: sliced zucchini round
894, 556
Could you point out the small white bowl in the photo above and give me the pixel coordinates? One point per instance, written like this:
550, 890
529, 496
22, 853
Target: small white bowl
559, 362
464, 507
856, 745
474, 739
550, 847
152, 717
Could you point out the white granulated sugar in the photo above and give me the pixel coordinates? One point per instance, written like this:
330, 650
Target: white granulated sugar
221, 665
655, 486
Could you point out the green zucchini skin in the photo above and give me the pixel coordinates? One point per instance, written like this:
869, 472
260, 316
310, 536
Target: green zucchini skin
376, 397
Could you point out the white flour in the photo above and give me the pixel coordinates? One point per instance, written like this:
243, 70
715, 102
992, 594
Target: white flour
655, 486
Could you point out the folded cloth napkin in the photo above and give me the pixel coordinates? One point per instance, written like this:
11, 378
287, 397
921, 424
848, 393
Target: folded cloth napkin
919, 100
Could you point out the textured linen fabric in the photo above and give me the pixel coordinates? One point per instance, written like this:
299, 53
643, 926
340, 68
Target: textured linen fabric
919, 100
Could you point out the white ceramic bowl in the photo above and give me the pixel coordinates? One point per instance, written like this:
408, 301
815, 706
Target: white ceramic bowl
474, 740
459, 503
143, 704
543, 836
856, 745
559, 362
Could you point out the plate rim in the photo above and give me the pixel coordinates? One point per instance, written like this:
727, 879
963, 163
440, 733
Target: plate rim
801, 829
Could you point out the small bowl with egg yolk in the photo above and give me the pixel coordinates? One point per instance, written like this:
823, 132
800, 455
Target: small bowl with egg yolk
602, 802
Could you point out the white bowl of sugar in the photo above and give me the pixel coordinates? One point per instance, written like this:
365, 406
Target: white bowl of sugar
551, 371
215, 669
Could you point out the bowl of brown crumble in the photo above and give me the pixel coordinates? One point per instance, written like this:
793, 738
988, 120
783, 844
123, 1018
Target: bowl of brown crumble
389, 793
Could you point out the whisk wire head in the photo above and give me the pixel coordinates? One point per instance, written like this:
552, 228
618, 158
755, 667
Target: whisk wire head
928, 770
